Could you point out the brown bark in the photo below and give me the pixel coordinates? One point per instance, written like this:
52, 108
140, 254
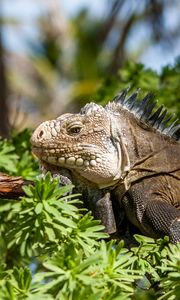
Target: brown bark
11, 187
4, 123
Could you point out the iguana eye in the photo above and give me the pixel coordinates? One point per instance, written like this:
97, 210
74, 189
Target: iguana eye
74, 130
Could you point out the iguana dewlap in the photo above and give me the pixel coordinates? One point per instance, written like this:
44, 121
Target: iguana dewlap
125, 148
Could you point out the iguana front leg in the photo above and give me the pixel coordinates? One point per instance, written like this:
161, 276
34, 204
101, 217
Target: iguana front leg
163, 218
152, 206
100, 204
98, 201
102, 210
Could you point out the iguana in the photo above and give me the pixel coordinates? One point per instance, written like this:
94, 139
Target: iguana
125, 152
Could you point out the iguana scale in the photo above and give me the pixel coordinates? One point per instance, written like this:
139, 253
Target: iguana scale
123, 152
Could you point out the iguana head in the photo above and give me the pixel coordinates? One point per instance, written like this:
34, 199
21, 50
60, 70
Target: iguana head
83, 143
101, 145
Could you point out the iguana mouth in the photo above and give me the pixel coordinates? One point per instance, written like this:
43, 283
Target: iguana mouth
37, 152
64, 174
54, 156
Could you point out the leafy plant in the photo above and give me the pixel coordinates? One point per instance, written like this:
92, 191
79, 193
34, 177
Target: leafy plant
170, 267
8, 158
164, 86
16, 157
17, 284
54, 250
45, 219
106, 273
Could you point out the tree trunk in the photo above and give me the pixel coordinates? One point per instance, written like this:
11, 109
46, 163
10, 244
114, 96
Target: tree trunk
4, 124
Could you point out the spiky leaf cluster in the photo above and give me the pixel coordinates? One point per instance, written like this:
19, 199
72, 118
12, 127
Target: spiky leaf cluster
45, 219
15, 156
52, 250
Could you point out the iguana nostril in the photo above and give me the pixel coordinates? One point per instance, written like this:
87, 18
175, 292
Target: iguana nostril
41, 134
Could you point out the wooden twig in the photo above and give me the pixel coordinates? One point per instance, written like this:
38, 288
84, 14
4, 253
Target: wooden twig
118, 57
11, 186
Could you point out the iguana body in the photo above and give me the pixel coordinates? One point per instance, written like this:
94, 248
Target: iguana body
124, 149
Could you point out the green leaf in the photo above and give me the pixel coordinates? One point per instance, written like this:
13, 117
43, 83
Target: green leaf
38, 208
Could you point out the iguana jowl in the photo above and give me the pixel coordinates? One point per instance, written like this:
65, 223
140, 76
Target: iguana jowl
126, 150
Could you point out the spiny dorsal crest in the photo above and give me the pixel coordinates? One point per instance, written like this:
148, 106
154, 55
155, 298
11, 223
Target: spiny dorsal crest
91, 108
144, 110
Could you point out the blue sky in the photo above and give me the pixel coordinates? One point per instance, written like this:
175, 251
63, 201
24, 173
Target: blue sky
27, 11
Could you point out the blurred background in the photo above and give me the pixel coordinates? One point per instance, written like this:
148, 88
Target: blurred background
56, 55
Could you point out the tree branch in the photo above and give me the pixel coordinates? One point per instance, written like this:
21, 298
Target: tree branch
11, 187
115, 8
119, 52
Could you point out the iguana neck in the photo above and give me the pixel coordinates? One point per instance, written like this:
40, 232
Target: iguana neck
140, 140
